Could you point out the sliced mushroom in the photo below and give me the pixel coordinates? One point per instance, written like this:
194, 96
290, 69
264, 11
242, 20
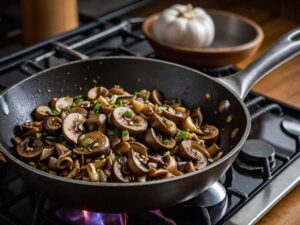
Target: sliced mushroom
97, 122
31, 133
139, 148
52, 163
117, 170
189, 125
171, 164
213, 149
107, 110
114, 140
32, 124
93, 143
157, 159
47, 152
197, 116
157, 97
42, 111
75, 171
157, 172
30, 148
155, 141
73, 127
138, 105
64, 162
171, 114
93, 93
80, 110
134, 163
123, 147
61, 149
210, 134
62, 103
117, 91
52, 125
91, 170
125, 118
201, 163
190, 150
163, 125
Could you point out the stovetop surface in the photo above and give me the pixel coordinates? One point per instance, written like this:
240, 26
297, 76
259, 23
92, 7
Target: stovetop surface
20, 205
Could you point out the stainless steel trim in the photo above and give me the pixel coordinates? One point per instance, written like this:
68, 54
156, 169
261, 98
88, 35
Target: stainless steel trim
261, 203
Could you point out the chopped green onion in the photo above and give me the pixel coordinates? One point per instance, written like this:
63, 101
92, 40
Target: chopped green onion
169, 123
97, 107
123, 102
55, 112
113, 132
127, 113
184, 135
98, 171
166, 153
86, 143
125, 133
78, 97
39, 135
73, 105
165, 141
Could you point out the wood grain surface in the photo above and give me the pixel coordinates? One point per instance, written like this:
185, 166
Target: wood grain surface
282, 84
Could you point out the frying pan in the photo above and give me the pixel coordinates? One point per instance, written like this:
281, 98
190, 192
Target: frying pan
175, 81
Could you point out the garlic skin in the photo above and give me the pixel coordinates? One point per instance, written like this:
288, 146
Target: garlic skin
185, 26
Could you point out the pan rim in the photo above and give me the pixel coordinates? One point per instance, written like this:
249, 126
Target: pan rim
132, 184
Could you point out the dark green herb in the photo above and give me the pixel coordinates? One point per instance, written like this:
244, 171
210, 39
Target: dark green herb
118, 154
51, 139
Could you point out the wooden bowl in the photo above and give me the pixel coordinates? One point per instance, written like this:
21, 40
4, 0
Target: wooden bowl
236, 38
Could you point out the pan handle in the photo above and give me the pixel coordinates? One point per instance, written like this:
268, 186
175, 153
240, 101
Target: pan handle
281, 51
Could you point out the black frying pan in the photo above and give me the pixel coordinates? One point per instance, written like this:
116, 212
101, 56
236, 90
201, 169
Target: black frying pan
175, 81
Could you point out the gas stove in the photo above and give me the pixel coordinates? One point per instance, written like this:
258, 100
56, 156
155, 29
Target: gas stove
265, 170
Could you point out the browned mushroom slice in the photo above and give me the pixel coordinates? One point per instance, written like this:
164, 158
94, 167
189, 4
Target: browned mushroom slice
124, 118
163, 125
201, 163
117, 170
80, 110
171, 164
93, 93
210, 134
97, 122
62, 103
138, 104
157, 143
32, 124
73, 127
47, 152
189, 125
134, 163
41, 112
52, 125
190, 150
106, 109
197, 116
139, 148
157, 97
64, 162
30, 148
171, 114
61, 149
92, 143
31, 133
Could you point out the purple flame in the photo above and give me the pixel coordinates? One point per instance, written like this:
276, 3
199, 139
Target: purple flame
82, 217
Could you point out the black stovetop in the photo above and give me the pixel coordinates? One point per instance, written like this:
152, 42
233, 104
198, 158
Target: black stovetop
243, 182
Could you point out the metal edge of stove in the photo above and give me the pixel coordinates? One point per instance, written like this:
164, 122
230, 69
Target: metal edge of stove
271, 194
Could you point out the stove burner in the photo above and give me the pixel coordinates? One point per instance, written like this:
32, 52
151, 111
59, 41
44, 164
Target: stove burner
257, 157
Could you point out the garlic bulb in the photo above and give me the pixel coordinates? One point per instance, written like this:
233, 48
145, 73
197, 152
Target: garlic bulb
186, 26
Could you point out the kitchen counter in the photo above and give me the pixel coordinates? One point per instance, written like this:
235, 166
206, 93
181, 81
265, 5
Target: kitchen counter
282, 84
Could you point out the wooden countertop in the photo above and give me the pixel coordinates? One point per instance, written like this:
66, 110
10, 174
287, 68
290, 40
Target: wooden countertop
282, 84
